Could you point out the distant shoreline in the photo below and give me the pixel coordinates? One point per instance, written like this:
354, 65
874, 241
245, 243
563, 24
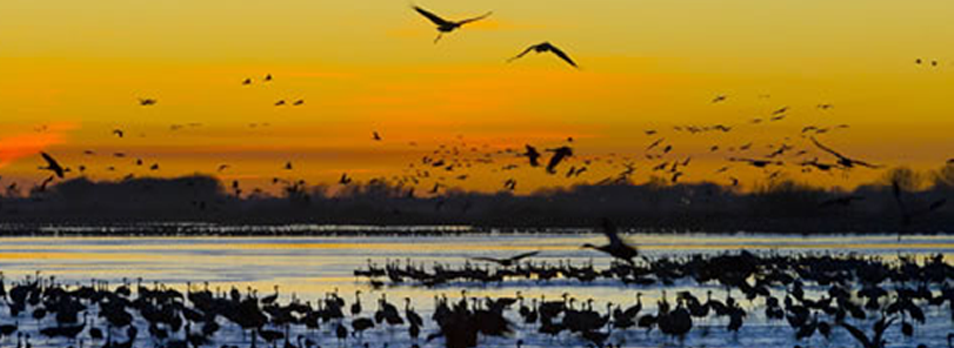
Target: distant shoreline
207, 229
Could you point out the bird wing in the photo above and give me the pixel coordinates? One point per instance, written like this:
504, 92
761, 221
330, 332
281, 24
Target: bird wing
866, 164
555, 161
475, 18
562, 55
522, 53
52, 164
432, 17
524, 255
488, 259
828, 150
49, 160
609, 229
858, 334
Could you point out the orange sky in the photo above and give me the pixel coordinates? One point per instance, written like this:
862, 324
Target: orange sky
72, 72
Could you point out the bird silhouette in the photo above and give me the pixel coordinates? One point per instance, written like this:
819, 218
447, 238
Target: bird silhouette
376, 136
545, 47
445, 26
52, 165
842, 160
118, 133
507, 262
147, 101
559, 154
755, 162
344, 180
510, 184
533, 155
616, 248
247, 82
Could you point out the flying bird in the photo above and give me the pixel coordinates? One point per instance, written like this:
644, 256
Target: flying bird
376, 136
247, 82
344, 179
446, 26
559, 154
52, 165
299, 102
268, 77
755, 162
147, 101
118, 133
280, 102
719, 98
533, 155
616, 248
222, 167
507, 262
842, 160
546, 47
655, 143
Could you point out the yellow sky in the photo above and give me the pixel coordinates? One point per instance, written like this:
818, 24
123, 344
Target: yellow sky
71, 71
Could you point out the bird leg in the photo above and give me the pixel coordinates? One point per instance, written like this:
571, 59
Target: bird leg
438, 38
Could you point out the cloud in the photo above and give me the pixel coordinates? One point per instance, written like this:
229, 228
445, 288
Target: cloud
21, 145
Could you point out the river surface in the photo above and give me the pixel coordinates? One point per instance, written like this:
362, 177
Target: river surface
309, 267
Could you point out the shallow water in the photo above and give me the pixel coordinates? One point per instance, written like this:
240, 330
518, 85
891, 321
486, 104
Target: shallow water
308, 267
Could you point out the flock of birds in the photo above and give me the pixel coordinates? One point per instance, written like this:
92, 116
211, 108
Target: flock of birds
852, 292
816, 295
450, 163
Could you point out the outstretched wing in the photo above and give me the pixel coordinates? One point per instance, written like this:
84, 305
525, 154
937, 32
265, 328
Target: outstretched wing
432, 17
827, 149
52, 164
562, 55
49, 159
475, 18
609, 229
523, 256
860, 336
522, 53
487, 259
866, 164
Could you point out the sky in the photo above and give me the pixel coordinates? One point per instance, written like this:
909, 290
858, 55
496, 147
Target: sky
71, 72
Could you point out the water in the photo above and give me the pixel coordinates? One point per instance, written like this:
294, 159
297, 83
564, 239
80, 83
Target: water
309, 267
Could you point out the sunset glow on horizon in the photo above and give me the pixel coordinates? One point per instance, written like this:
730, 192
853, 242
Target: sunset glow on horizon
72, 72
